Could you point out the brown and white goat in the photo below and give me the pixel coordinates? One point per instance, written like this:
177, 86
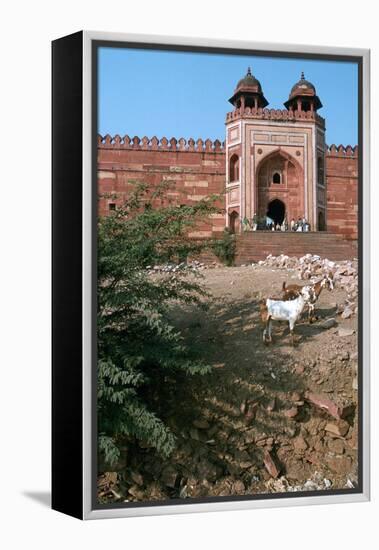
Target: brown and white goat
310, 292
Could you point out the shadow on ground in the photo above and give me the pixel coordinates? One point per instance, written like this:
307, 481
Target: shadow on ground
41, 497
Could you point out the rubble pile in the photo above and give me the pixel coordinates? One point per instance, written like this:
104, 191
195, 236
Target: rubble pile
282, 262
194, 265
316, 483
215, 458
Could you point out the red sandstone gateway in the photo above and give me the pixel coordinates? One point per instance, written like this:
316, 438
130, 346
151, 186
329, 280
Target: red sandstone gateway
162, 405
273, 162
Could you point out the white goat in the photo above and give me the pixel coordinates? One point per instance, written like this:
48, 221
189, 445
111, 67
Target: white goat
280, 310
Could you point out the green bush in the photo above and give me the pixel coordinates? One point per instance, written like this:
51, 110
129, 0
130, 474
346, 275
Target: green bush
139, 351
225, 248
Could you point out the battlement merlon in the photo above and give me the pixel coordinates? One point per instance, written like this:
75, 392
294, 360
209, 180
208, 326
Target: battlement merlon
275, 114
341, 151
216, 146
162, 144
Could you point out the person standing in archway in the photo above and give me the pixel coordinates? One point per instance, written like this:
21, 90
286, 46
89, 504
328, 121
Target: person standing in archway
254, 222
245, 224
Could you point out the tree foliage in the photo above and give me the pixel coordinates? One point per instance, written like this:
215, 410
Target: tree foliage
139, 350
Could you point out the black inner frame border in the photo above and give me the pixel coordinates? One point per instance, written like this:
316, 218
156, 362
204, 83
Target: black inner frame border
358, 60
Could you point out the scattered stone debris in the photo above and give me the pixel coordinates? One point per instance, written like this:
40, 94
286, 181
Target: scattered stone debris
193, 265
316, 483
107, 480
245, 432
107, 486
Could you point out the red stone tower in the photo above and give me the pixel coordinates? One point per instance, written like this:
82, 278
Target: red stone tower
275, 158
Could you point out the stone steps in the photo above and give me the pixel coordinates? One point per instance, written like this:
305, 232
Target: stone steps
255, 246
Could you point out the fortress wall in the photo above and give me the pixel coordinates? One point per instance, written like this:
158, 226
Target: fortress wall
342, 190
195, 170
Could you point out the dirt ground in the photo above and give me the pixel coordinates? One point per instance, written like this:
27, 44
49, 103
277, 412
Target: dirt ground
271, 418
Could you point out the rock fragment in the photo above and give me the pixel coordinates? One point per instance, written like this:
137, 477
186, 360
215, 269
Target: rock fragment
328, 323
339, 428
300, 445
270, 465
323, 402
343, 332
291, 413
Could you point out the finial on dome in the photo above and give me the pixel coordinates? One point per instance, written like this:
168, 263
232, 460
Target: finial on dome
251, 89
303, 89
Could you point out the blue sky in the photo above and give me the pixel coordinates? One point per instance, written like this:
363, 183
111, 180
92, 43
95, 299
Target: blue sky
180, 94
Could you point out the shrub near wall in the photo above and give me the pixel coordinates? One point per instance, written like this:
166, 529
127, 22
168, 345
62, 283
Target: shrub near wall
140, 353
225, 248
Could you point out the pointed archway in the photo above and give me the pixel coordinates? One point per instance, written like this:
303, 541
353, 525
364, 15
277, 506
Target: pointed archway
276, 210
280, 177
233, 221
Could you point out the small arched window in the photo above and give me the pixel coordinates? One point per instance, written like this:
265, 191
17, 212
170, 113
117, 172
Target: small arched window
234, 172
276, 177
233, 218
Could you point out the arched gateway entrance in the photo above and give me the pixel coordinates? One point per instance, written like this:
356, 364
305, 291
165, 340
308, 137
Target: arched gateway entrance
276, 211
279, 187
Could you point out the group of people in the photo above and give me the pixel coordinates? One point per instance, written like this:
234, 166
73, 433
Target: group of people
268, 224
302, 224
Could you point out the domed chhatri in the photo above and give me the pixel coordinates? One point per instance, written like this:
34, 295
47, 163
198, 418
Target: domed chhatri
249, 81
303, 96
248, 93
303, 86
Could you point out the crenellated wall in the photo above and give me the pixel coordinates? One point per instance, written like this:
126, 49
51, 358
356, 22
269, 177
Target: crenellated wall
162, 144
193, 169
197, 169
342, 190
